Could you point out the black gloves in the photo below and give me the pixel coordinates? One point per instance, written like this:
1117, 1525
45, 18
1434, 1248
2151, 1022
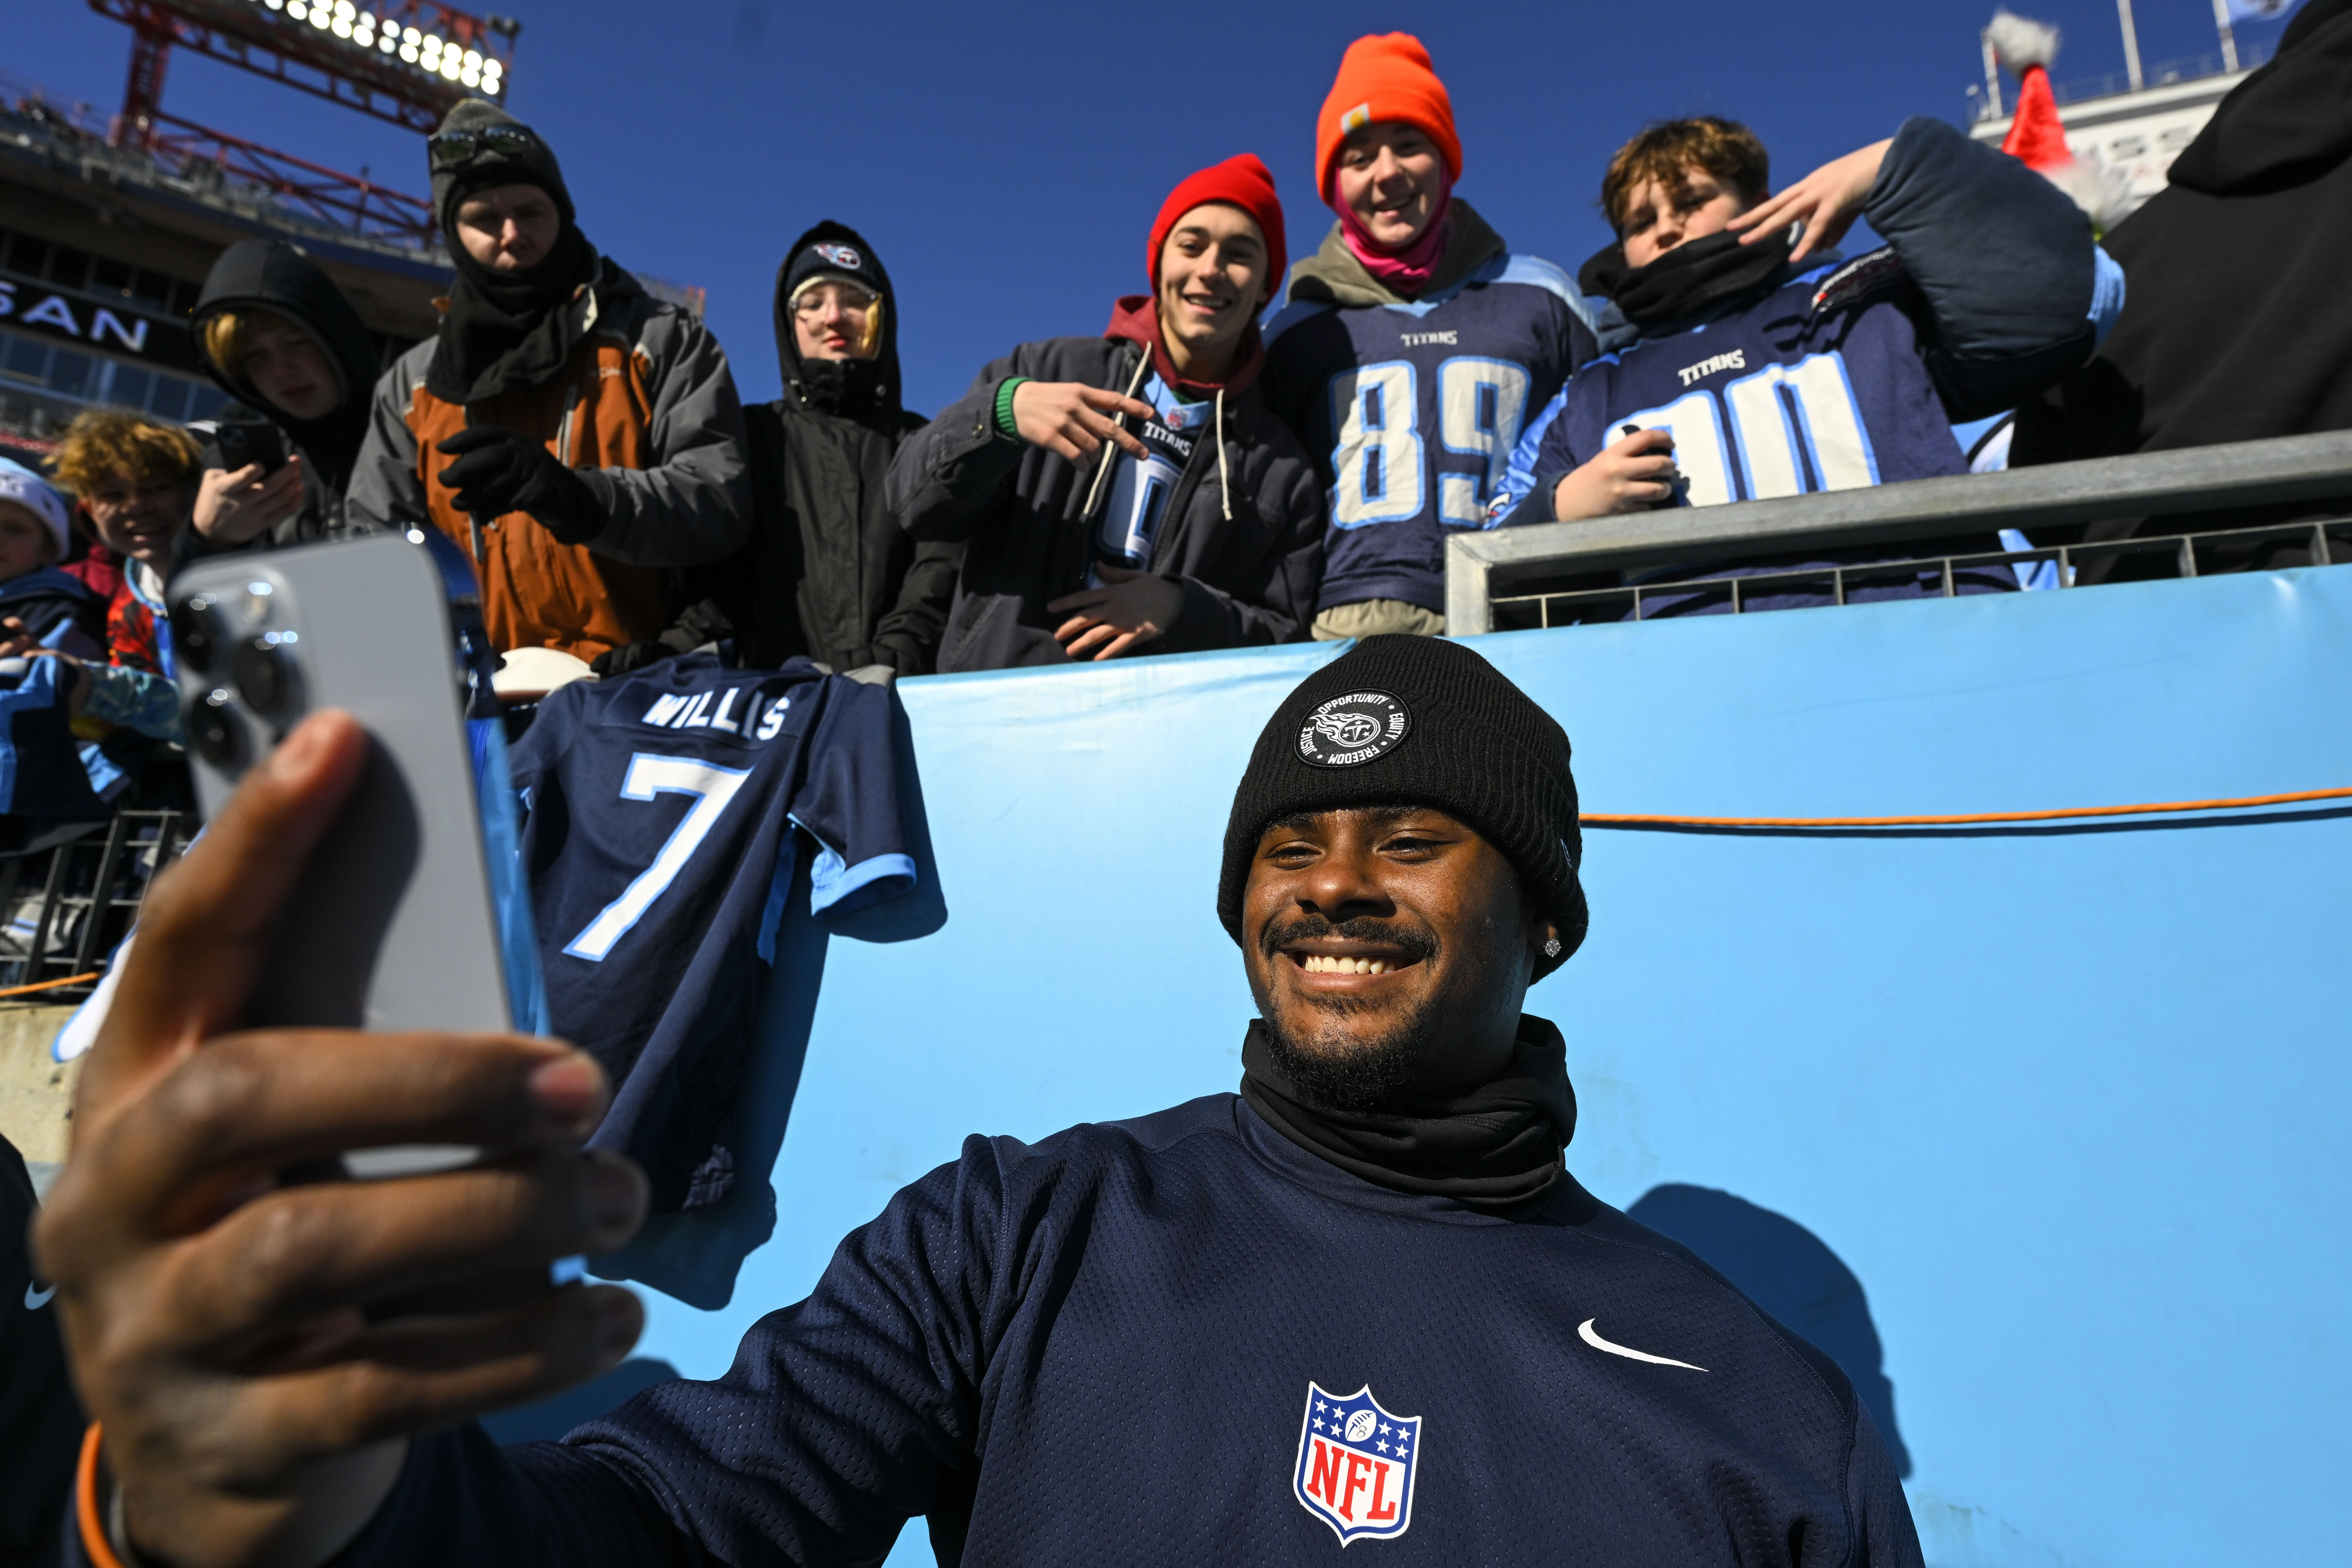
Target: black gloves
498, 471
696, 626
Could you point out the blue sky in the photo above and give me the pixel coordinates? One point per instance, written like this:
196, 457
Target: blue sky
1006, 160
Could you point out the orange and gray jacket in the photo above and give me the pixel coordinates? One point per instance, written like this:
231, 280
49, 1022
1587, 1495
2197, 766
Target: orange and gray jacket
644, 407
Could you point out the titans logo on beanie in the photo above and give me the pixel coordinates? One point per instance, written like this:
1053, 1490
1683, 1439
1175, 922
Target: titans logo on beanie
1408, 720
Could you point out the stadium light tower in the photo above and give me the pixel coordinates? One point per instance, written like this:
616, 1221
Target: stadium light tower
408, 61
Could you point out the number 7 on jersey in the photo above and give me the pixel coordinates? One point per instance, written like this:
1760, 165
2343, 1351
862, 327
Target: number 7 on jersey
651, 774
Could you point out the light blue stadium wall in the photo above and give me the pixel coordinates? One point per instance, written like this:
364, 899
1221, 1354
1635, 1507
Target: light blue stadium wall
2070, 1107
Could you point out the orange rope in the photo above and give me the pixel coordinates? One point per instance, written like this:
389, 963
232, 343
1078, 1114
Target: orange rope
48, 985
1604, 819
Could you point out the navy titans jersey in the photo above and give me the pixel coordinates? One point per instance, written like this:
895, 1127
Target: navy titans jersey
1820, 386
1412, 411
658, 839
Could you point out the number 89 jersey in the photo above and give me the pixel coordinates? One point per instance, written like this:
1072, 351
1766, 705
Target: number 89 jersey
657, 837
1413, 411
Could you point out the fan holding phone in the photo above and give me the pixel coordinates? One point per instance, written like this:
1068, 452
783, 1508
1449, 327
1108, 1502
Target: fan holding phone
278, 336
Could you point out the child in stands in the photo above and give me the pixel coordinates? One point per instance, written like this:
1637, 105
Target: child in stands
136, 481
39, 604
1762, 368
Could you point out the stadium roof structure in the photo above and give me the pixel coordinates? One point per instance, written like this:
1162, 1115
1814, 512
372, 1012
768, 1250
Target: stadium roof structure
405, 61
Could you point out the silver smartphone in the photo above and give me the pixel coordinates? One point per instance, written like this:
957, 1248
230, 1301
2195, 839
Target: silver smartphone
413, 912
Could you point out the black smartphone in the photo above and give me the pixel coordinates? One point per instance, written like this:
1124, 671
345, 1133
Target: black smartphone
244, 441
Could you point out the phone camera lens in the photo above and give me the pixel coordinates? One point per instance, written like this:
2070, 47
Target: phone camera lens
214, 734
196, 632
265, 679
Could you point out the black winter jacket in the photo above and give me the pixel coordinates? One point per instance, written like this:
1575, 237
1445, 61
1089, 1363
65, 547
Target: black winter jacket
1248, 580
2239, 325
829, 572
271, 274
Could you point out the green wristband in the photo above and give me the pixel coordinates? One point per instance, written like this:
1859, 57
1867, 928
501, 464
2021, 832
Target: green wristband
1005, 391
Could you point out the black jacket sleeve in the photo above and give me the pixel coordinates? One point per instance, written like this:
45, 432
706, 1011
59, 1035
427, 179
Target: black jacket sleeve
2003, 259
907, 638
949, 475
842, 1418
1279, 603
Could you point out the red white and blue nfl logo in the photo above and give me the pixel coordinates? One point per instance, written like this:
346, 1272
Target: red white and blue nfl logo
1356, 1463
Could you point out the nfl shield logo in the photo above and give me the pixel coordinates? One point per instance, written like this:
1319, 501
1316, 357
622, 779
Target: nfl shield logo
1356, 1463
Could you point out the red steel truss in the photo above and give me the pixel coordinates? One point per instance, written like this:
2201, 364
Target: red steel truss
287, 43
408, 61
346, 201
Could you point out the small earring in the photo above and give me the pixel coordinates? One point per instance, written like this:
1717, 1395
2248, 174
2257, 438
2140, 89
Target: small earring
1551, 948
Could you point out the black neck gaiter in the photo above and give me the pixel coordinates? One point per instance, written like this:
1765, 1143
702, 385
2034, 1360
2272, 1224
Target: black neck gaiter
853, 388
507, 329
1493, 1147
1687, 281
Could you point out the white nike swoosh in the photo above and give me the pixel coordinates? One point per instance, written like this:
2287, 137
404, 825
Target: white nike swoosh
1584, 1332
36, 1299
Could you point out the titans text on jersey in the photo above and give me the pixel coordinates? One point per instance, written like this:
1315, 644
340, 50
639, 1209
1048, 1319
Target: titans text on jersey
1413, 411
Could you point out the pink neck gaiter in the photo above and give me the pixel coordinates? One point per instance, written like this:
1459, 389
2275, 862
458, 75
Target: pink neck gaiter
1407, 271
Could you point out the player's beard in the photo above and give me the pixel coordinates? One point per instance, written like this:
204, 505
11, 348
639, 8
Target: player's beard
1331, 1064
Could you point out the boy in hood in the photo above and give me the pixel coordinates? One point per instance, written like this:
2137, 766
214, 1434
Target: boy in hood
1762, 368
1131, 492
829, 573
277, 336
1413, 346
572, 434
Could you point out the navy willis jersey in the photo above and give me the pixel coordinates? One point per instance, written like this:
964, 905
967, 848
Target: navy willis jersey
658, 839
1412, 411
1820, 386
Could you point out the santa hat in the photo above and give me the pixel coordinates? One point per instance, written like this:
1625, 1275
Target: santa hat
2037, 137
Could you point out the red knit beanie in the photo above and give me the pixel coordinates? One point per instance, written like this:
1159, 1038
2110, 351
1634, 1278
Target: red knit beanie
1242, 181
1385, 78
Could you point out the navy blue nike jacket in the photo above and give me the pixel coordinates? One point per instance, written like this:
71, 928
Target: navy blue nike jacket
1989, 290
1183, 1340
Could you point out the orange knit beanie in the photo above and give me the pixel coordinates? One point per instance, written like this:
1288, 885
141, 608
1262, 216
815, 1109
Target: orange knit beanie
1385, 78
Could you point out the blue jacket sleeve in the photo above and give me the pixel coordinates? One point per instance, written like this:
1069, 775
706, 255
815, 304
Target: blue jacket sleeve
2004, 261
842, 1418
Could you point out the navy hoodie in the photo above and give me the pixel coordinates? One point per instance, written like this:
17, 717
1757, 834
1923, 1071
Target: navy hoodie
1184, 1339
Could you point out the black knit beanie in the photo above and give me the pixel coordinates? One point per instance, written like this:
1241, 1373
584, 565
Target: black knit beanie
1411, 720
534, 165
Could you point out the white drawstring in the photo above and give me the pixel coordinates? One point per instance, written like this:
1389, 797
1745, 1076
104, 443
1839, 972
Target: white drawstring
1095, 490
1224, 481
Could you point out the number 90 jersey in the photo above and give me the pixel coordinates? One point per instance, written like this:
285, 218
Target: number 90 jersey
1825, 384
1413, 411
658, 843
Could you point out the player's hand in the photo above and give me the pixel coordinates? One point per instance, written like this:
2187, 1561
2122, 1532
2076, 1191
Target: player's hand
1073, 419
1633, 475
235, 505
225, 1316
1826, 202
1132, 608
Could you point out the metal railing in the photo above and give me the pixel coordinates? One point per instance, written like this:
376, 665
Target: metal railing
1483, 569
65, 908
